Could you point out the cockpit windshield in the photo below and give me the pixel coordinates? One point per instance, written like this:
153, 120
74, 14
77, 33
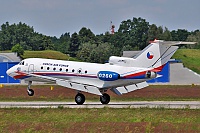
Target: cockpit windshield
21, 63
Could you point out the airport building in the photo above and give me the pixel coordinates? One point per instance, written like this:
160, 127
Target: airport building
7, 60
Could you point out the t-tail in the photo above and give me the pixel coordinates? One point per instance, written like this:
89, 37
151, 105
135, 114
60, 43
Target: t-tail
154, 56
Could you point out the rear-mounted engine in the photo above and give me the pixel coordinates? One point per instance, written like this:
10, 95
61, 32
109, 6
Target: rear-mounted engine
151, 74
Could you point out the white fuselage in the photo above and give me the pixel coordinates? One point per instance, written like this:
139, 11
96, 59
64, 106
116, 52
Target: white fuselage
80, 72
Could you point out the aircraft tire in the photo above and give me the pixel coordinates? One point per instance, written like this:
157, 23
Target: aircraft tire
30, 92
79, 98
105, 98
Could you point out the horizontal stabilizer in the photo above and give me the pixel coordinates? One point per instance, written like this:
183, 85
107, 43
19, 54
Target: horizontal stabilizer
125, 89
79, 87
170, 43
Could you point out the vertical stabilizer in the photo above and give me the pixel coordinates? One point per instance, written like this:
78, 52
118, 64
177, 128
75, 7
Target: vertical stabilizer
156, 54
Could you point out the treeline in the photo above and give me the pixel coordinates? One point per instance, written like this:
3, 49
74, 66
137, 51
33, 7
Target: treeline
86, 46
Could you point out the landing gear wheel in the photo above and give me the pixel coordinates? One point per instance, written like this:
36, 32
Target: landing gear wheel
105, 98
79, 98
30, 92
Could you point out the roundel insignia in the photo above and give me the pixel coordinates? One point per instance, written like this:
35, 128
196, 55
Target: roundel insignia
150, 55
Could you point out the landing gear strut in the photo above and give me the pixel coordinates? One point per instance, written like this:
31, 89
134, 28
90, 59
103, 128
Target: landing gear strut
105, 98
79, 98
29, 90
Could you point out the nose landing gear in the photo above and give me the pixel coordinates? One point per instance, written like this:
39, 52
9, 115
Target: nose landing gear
29, 90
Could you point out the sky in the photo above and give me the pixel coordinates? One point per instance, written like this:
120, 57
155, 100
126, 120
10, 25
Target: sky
56, 17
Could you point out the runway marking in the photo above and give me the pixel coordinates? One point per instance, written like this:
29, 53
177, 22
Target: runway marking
132, 104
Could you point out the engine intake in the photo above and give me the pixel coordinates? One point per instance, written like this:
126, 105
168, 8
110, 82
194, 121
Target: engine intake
151, 74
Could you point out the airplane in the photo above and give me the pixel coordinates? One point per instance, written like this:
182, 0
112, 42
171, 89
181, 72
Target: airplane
121, 74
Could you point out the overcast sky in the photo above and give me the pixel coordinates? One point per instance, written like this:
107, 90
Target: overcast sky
56, 17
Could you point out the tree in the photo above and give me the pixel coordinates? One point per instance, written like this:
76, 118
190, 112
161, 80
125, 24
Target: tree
102, 53
74, 44
86, 35
179, 35
153, 33
85, 51
135, 32
18, 49
166, 35
195, 37
62, 43
25, 36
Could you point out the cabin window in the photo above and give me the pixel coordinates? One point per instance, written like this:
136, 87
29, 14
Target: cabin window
73, 70
79, 71
66, 70
54, 68
60, 69
48, 68
85, 71
42, 67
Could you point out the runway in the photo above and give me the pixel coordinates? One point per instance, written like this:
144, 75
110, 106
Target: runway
132, 104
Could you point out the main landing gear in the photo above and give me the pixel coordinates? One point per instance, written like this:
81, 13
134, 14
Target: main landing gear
105, 98
29, 90
80, 98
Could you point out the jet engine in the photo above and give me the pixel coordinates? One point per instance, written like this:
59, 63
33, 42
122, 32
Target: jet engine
108, 75
151, 74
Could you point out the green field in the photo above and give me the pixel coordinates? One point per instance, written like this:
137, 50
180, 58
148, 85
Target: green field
150, 93
190, 58
49, 54
99, 120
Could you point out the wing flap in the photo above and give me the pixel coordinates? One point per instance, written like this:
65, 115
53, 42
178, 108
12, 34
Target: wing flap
71, 84
125, 89
79, 87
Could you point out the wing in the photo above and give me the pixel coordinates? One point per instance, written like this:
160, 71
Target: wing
129, 88
70, 84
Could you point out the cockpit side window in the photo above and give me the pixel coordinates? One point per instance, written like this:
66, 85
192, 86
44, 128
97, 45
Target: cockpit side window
21, 63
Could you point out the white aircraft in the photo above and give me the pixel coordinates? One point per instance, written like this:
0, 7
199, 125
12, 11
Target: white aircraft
121, 74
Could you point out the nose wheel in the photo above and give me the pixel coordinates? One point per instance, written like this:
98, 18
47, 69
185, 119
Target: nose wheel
79, 98
105, 98
29, 90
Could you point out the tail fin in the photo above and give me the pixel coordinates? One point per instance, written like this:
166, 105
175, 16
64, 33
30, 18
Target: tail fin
157, 54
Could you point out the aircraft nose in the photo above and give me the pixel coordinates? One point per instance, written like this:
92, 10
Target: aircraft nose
9, 71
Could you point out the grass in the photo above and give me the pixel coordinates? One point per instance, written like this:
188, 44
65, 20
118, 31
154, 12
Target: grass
151, 93
190, 58
99, 120
48, 54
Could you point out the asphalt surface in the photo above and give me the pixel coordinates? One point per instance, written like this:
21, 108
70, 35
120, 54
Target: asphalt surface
133, 104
